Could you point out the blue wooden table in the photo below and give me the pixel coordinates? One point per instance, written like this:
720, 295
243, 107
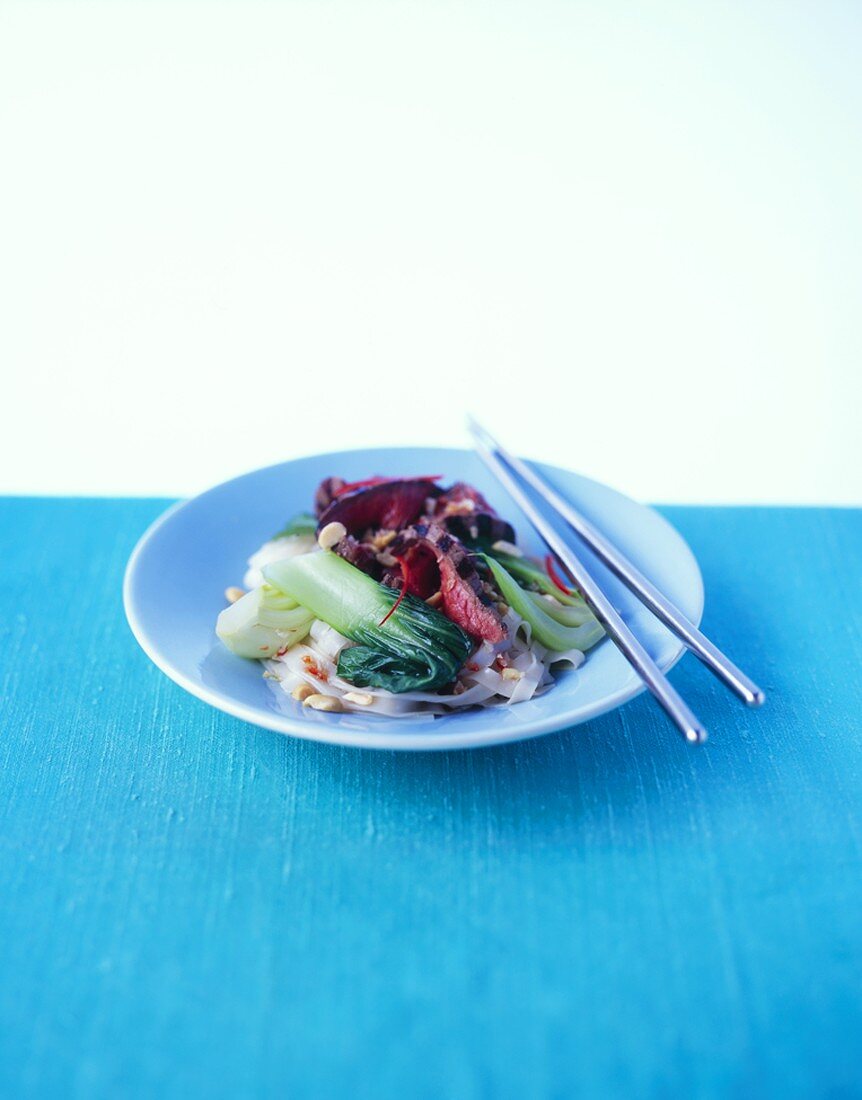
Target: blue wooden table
193, 907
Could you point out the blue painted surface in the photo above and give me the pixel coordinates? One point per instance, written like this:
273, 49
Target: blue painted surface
190, 906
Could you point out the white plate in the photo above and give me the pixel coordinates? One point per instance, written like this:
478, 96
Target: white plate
176, 577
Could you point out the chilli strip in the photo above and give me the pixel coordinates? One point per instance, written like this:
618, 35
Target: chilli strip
550, 566
405, 582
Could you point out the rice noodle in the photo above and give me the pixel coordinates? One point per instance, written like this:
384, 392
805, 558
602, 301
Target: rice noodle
480, 683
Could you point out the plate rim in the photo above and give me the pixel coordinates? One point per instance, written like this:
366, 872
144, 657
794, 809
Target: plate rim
334, 735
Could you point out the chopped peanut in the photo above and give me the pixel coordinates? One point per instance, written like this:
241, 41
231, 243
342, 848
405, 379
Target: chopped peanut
434, 600
331, 534
302, 691
233, 594
322, 702
511, 674
382, 539
360, 698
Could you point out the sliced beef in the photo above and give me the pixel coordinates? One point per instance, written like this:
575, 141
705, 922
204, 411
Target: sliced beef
326, 493
391, 504
460, 492
480, 529
429, 549
465, 513
359, 554
433, 560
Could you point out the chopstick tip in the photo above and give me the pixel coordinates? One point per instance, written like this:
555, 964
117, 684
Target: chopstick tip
757, 699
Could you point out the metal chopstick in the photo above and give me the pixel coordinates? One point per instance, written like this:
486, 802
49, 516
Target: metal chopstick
608, 616
668, 613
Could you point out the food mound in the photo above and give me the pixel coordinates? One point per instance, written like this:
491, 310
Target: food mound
398, 596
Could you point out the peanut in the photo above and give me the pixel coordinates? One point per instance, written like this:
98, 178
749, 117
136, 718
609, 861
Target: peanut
322, 702
360, 698
331, 534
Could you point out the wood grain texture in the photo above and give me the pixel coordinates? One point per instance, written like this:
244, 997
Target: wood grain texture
190, 906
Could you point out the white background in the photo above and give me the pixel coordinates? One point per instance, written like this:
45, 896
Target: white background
628, 236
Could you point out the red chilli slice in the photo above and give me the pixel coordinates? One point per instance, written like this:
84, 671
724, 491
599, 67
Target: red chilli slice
405, 581
551, 568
